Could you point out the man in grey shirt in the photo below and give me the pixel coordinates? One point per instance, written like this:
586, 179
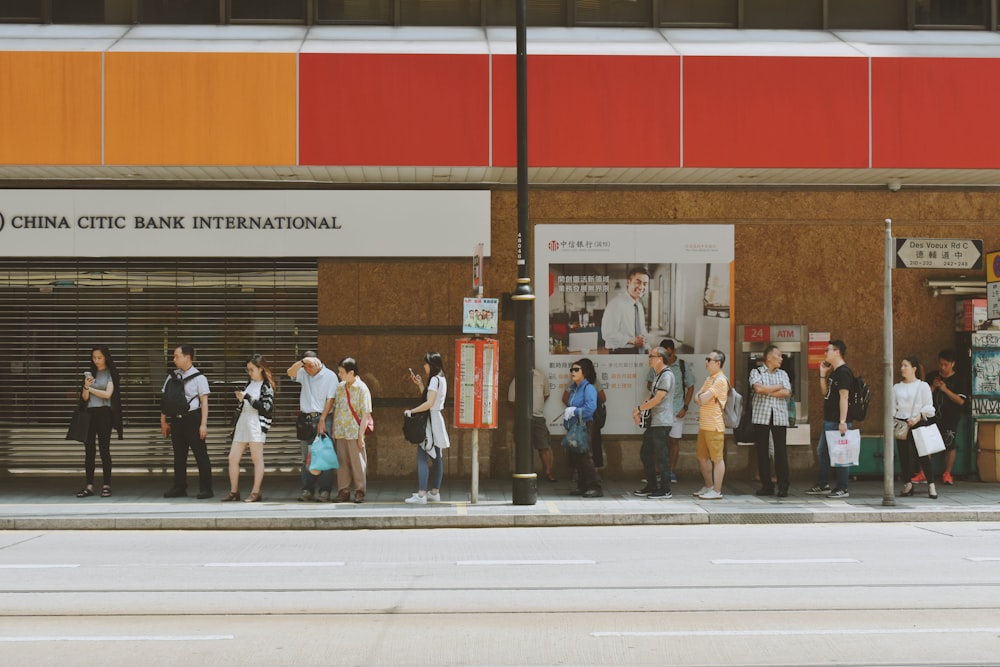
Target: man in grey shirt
658, 420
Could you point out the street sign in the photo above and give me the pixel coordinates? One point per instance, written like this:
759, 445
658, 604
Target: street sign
993, 301
939, 254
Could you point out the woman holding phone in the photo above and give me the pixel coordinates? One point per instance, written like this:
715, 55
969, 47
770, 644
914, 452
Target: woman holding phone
101, 394
430, 453
256, 407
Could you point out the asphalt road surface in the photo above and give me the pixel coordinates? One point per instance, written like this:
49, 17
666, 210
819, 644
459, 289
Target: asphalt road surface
818, 594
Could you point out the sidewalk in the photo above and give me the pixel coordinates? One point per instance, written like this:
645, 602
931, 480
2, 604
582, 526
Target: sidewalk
49, 503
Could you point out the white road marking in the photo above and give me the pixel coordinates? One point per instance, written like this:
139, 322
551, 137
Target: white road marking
790, 633
278, 564
982, 559
36, 566
782, 561
526, 562
118, 638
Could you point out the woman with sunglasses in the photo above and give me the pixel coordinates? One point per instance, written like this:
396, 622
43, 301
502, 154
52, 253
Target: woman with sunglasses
581, 404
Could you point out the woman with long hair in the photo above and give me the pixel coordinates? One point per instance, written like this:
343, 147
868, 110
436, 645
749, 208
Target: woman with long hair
912, 403
102, 396
581, 402
429, 453
256, 407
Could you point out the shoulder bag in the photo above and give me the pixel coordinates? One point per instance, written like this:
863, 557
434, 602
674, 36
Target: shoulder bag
370, 427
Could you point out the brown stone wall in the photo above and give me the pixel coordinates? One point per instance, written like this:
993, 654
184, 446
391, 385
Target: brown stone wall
802, 257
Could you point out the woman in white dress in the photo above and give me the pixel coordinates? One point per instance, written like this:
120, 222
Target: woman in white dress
429, 453
256, 406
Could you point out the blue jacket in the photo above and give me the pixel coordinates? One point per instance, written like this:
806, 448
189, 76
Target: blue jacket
584, 398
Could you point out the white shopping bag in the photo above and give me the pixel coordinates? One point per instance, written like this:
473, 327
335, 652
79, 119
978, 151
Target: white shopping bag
845, 450
927, 439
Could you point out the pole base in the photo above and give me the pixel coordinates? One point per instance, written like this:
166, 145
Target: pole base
525, 490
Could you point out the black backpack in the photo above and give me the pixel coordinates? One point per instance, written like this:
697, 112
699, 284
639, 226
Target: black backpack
858, 399
174, 403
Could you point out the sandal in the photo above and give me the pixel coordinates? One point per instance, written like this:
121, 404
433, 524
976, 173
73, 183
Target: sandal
552, 478
85, 493
106, 491
254, 497
231, 496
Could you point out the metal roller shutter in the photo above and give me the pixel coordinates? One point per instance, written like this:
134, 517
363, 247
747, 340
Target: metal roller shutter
53, 311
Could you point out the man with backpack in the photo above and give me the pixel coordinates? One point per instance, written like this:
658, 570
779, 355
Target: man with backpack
835, 381
184, 419
712, 398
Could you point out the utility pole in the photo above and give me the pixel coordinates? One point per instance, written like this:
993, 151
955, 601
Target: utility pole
525, 486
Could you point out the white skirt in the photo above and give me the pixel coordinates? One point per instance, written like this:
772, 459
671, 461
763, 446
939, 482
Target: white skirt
437, 431
248, 426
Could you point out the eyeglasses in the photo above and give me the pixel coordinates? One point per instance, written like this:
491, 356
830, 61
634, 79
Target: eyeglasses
710, 359
575, 369
654, 356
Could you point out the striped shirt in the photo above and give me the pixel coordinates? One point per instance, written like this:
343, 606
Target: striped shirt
766, 406
710, 414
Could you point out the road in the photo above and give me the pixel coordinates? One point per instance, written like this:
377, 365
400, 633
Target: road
852, 594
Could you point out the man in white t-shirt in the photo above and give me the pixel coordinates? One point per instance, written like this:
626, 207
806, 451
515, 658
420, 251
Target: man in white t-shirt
317, 382
187, 430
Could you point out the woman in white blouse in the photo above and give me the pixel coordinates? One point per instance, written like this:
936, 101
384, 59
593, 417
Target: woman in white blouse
913, 404
430, 467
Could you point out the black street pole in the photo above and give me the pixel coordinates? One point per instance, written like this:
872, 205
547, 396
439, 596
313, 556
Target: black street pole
525, 489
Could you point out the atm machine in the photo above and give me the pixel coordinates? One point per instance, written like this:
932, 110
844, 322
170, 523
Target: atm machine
793, 341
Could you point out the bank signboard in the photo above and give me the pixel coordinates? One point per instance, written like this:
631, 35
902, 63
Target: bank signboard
242, 223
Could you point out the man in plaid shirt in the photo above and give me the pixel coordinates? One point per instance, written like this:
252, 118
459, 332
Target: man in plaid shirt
771, 389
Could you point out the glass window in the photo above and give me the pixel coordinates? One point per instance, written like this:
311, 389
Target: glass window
614, 12
777, 14
280, 11
952, 13
179, 11
704, 13
353, 11
20, 10
440, 12
867, 14
78, 11
540, 12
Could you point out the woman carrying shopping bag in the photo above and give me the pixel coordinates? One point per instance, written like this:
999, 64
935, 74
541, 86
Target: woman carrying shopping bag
912, 404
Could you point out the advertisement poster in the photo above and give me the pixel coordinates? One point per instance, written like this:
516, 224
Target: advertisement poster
480, 316
613, 292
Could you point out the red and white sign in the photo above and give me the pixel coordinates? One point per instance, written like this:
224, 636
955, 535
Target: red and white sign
477, 365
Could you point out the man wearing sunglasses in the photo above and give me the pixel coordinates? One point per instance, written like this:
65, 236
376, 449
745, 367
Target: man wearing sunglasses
711, 429
655, 441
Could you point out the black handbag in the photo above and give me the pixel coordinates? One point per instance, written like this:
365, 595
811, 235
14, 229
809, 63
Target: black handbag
79, 425
304, 427
415, 427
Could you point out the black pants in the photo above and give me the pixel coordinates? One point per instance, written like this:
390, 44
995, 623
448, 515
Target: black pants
184, 436
586, 476
763, 433
907, 454
655, 451
99, 432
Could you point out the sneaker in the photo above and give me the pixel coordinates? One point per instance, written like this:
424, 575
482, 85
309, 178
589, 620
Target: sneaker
948, 479
643, 492
839, 493
307, 496
593, 493
660, 495
919, 478
416, 499
673, 478
645, 482
711, 494
324, 497
704, 489
819, 490
434, 497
